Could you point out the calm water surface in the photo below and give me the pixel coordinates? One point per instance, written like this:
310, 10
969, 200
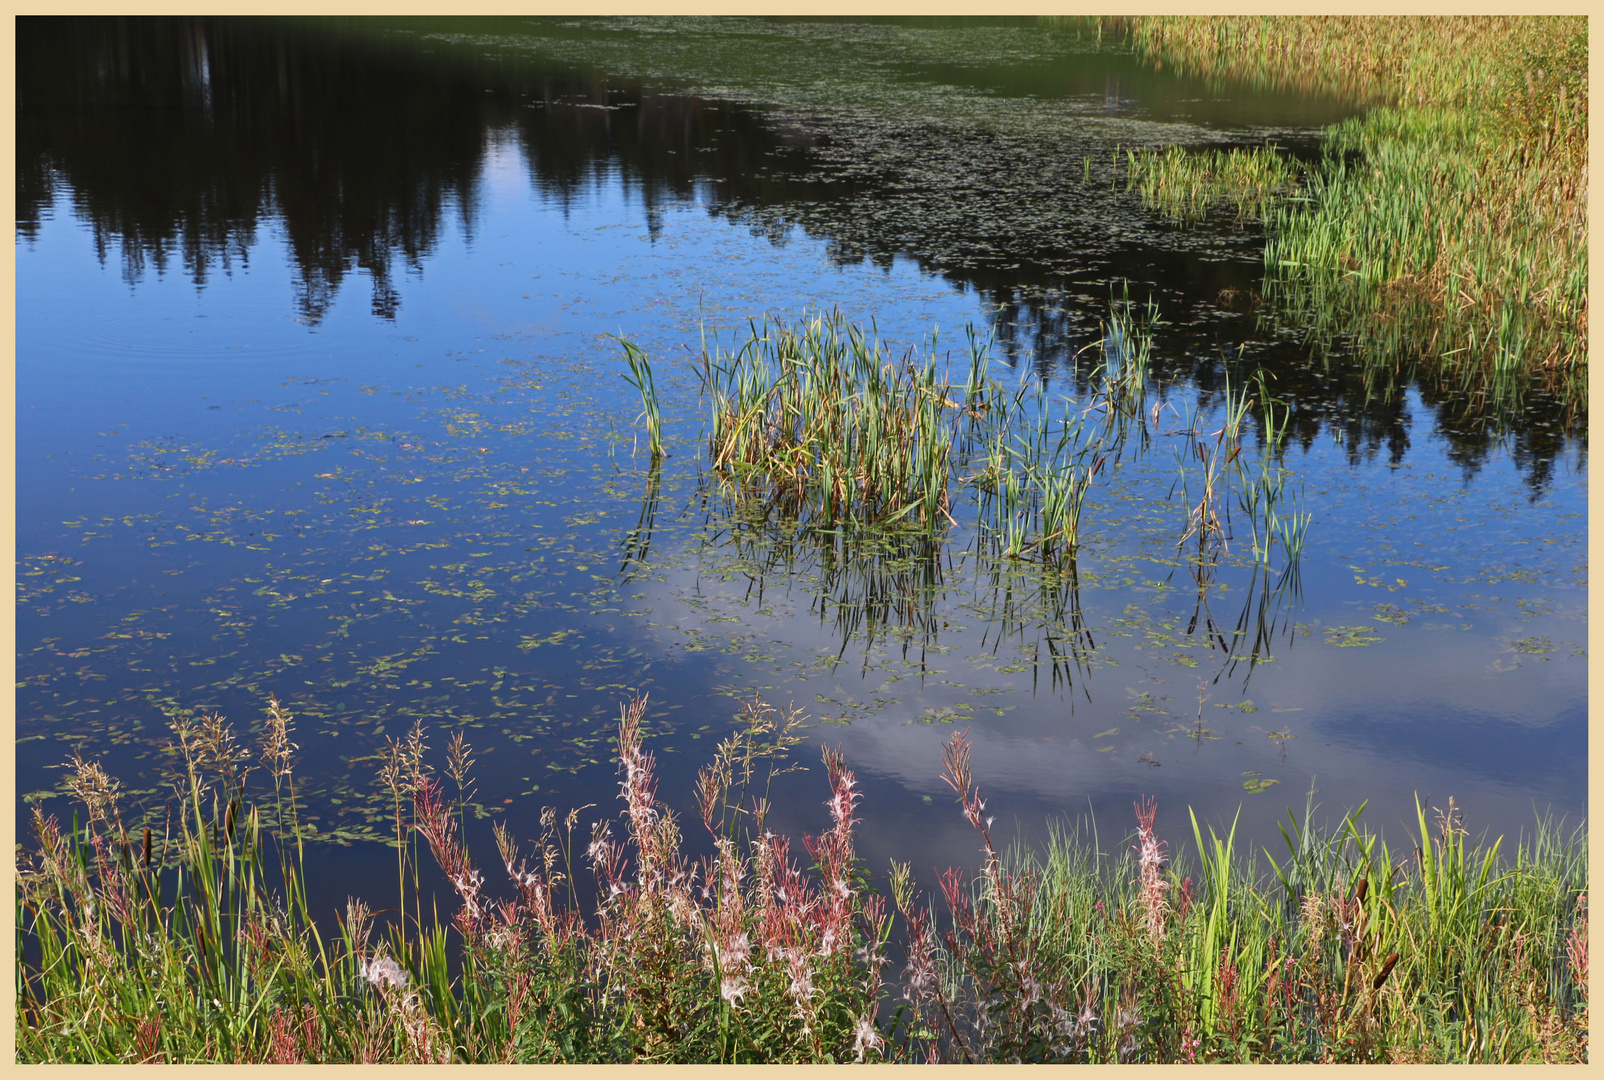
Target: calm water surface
318, 396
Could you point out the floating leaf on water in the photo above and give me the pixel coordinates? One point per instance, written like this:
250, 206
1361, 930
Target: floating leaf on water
1347, 637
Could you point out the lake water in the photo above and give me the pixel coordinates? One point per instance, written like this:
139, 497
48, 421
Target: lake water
319, 396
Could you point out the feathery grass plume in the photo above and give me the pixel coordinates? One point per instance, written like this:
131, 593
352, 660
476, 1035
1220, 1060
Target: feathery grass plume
277, 749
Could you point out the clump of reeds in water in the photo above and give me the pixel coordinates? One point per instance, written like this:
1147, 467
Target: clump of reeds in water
1344, 950
831, 430
818, 424
640, 377
1184, 184
817, 427
1212, 465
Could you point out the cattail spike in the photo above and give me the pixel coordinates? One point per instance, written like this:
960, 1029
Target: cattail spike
1386, 969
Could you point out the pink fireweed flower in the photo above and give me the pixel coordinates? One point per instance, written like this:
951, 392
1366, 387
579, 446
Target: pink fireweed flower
874, 914
1125, 1024
1151, 859
439, 827
920, 974
600, 844
1088, 1016
1027, 983
1065, 1030
802, 989
732, 953
467, 885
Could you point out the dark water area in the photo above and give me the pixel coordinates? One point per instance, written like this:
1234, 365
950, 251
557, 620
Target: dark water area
318, 396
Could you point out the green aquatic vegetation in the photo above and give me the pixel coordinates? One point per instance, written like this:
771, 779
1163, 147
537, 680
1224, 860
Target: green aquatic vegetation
1212, 465
1183, 184
1445, 229
1351, 637
818, 426
815, 427
640, 377
818, 420
1273, 510
1125, 352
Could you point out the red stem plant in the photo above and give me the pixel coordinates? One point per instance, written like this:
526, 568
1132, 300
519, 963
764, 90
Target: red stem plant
183, 948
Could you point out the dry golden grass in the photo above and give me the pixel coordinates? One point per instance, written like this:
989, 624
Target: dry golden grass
1382, 60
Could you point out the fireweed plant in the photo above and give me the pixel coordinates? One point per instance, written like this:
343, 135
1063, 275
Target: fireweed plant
197, 942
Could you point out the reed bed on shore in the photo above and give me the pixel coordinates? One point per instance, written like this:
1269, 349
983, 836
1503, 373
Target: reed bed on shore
199, 945
1402, 59
1445, 231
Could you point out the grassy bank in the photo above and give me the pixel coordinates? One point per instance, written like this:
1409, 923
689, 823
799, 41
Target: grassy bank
1445, 232
198, 944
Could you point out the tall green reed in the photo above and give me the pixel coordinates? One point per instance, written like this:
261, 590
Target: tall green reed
640, 377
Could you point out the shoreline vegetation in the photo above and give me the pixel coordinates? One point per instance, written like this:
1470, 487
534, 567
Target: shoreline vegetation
645, 936
1444, 233
199, 943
